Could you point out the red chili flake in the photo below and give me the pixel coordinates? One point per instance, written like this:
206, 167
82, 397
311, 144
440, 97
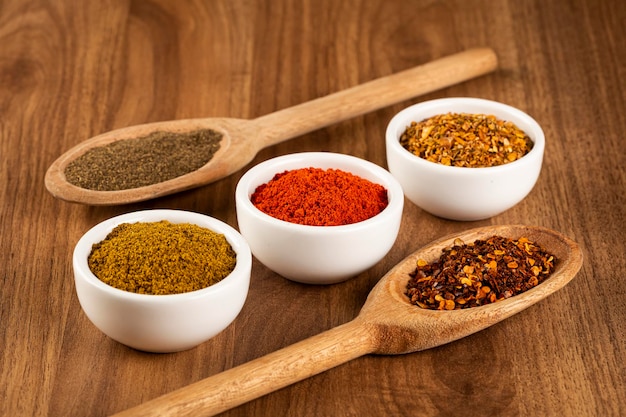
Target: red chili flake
479, 273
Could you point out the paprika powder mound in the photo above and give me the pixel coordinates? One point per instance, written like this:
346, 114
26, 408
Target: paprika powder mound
320, 197
479, 273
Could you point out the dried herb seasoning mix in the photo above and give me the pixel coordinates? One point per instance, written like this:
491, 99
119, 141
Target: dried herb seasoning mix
466, 140
483, 272
133, 163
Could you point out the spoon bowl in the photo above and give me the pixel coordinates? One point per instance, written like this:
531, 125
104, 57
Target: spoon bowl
242, 139
387, 324
406, 328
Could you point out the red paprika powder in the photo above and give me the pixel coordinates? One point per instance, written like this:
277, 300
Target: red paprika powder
318, 197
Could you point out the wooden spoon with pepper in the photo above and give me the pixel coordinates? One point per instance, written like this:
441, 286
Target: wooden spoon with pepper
243, 139
388, 324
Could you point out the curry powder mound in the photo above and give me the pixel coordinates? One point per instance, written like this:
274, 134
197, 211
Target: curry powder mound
479, 273
162, 258
466, 140
134, 163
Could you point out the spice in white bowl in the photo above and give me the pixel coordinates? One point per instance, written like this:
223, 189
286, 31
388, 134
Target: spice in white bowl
320, 254
162, 322
464, 193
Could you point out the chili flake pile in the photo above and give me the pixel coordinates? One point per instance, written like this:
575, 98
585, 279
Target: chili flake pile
466, 140
479, 273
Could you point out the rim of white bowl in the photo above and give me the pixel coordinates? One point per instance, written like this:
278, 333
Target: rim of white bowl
265, 171
99, 232
430, 108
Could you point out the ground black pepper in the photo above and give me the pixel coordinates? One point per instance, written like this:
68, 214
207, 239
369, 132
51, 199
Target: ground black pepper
479, 273
133, 163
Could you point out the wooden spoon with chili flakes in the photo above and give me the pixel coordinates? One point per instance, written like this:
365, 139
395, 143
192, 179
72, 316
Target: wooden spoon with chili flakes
388, 324
243, 139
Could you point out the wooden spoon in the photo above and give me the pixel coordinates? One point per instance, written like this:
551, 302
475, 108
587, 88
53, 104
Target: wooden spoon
243, 139
387, 324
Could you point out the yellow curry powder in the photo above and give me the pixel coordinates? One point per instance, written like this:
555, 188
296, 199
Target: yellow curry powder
162, 258
466, 140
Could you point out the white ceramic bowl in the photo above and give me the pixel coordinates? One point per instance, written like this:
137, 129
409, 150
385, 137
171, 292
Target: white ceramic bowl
162, 323
318, 254
461, 193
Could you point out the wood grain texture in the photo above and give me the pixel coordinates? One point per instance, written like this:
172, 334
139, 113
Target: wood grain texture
72, 70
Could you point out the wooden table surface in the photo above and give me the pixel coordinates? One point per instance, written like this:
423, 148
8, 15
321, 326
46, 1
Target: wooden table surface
71, 70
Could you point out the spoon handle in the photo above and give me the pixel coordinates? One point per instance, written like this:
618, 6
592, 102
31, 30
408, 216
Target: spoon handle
373, 95
261, 376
